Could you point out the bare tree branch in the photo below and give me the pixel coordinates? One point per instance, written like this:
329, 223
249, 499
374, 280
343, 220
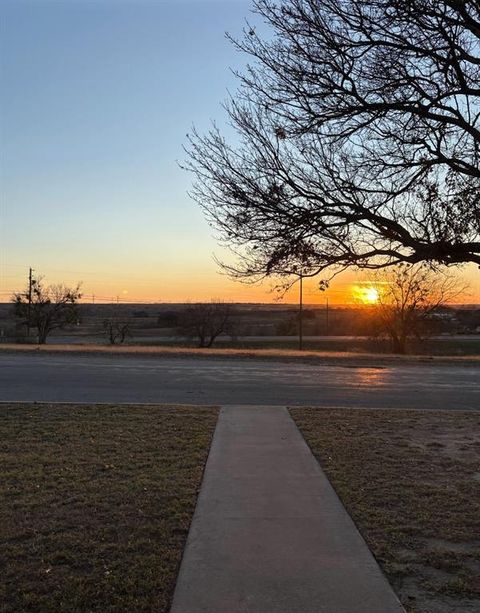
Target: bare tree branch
358, 128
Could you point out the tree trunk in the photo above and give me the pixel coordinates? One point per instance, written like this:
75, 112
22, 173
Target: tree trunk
399, 344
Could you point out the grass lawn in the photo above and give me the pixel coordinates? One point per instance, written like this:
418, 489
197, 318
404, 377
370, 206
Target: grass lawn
411, 482
96, 502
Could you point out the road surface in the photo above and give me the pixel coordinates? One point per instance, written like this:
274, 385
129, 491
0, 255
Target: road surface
192, 380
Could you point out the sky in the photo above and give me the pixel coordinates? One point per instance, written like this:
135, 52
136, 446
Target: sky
96, 99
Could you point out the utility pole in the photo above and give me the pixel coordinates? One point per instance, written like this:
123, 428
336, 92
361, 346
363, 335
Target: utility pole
300, 315
30, 283
326, 319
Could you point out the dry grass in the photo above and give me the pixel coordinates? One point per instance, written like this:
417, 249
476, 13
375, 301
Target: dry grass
411, 481
277, 354
96, 502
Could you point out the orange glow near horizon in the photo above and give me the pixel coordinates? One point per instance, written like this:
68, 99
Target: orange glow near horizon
162, 284
200, 283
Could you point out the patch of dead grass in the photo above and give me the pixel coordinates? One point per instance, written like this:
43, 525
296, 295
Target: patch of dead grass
96, 502
315, 356
408, 478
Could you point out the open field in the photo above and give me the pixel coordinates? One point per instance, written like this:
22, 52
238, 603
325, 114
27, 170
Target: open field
96, 503
261, 326
411, 482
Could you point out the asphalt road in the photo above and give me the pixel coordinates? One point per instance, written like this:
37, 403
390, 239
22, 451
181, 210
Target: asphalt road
104, 378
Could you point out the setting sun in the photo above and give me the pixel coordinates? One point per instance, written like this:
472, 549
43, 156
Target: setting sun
371, 295
365, 294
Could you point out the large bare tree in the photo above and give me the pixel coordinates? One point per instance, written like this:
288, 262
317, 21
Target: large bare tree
47, 307
206, 321
409, 297
358, 138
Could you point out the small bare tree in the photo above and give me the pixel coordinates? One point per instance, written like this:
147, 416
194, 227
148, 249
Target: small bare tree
205, 322
47, 308
116, 330
408, 297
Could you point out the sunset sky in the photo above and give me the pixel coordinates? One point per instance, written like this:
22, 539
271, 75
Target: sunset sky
96, 99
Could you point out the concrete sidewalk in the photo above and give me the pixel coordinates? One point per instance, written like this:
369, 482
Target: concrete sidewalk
269, 534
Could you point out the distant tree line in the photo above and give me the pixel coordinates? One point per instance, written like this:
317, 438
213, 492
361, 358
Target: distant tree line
412, 305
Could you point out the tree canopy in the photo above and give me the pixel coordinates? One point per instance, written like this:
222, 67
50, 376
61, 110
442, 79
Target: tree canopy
358, 138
